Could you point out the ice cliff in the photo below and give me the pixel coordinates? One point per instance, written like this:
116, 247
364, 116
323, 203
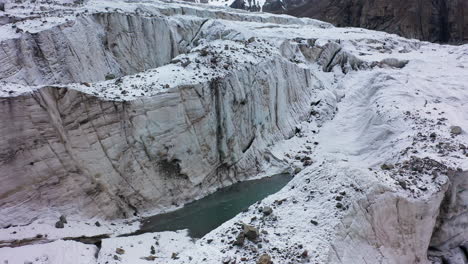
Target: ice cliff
114, 109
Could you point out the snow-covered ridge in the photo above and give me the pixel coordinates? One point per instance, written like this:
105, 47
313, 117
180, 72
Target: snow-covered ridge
134, 122
198, 98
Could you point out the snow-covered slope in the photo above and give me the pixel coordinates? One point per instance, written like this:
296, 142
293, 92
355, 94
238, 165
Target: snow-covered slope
346, 208
373, 125
198, 121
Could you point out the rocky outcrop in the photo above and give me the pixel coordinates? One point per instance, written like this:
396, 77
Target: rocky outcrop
436, 21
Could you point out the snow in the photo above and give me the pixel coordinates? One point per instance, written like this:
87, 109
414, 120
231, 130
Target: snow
364, 119
45, 228
55, 252
138, 249
369, 129
228, 55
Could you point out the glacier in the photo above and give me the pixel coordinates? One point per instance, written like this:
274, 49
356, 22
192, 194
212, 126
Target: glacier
116, 110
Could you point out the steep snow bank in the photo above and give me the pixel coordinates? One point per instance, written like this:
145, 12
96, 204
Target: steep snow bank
184, 142
185, 128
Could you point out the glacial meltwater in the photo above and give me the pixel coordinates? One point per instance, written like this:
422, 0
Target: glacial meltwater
204, 215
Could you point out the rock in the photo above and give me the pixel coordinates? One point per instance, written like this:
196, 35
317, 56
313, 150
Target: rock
120, 251
110, 76
97, 224
455, 130
280, 202
116, 257
393, 63
59, 224
387, 167
63, 219
297, 170
175, 255
226, 260
250, 232
402, 183
264, 259
267, 210
304, 254
204, 52
149, 258
313, 222
240, 239
186, 63
432, 22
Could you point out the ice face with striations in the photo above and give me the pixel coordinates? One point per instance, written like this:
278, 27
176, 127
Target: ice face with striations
114, 109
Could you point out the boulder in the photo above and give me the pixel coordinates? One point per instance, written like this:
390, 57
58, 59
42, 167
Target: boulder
264, 259
59, 224
267, 210
63, 219
240, 239
387, 167
250, 232
455, 130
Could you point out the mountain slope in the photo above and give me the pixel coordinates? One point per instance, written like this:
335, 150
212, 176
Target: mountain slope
435, 21
442, 21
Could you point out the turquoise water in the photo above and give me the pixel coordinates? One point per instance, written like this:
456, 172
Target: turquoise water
204, 215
